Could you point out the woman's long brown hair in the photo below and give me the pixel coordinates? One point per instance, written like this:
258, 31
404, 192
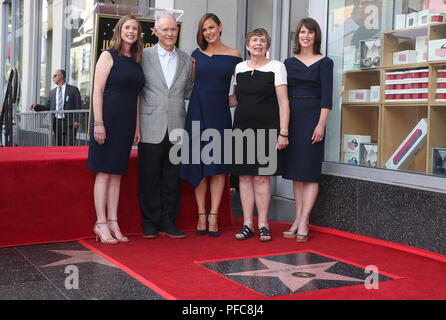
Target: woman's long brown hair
311, 25
116, 41
202, 43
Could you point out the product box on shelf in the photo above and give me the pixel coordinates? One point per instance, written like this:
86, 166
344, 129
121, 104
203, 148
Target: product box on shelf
423, 17
368, 154
439, 161
374, 93
407, 95
370, 53
436, 17
406, 56
409, 148
411, 74
440, 94
421, 48
351, 158
359, 95
400, 21
352, 141
441, 73
437, 49
407, 84
412, 20
441, 83
349, 58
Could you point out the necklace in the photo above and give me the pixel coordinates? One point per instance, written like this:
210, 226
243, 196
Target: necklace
265, 61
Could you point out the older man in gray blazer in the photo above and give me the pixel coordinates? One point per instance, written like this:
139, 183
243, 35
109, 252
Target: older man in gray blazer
168, 73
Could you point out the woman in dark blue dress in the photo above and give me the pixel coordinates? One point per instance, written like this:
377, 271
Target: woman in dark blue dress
209, 108
118, 80
310, 89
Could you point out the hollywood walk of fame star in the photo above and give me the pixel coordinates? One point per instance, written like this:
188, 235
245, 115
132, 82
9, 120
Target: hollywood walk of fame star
295, 277
78, 256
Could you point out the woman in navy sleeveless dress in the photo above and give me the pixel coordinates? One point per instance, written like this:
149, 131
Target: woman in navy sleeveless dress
310, 89
118, 80
209, 108
119, 115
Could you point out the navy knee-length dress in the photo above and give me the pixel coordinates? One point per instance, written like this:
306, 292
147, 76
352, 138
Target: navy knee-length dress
208, 109
123, 85
310, 88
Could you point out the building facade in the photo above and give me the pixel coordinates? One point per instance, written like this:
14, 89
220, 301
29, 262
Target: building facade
379, 179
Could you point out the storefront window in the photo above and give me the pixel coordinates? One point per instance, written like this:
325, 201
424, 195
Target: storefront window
80, 44
46, 46
388, 80
17, 42
8, 60
299, 10
79, 47
259, 15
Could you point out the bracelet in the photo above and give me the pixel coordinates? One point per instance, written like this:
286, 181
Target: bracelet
99, 123
282, 135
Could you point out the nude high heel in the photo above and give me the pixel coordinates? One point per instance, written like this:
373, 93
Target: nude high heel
98, 235
123, 238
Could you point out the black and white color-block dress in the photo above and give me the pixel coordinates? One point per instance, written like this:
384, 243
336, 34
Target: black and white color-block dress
257, 112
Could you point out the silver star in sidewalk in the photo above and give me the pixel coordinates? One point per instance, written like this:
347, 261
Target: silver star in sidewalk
78, 256
296, 277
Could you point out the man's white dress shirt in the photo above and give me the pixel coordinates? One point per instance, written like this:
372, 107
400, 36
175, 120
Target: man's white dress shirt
168, 61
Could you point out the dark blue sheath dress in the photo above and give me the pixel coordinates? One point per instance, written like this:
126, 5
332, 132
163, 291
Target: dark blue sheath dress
208, 107
124, 83
309, 89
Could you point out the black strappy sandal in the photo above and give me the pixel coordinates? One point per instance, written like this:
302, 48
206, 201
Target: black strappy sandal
264, 232
213, 234
246, 232
201, 232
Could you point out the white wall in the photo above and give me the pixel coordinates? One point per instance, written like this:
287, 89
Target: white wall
165, 4
227, 13
195, 9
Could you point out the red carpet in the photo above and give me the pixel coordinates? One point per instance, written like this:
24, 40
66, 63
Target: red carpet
46, 195
171, 267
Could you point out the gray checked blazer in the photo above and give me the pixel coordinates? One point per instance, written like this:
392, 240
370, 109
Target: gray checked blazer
161, 108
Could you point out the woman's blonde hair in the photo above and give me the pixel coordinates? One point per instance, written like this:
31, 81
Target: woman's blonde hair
116, 41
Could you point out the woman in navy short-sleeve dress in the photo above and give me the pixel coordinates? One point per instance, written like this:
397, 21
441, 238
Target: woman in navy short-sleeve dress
118, 81
310, 89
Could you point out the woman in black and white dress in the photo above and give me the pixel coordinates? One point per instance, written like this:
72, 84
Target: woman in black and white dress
261, 116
